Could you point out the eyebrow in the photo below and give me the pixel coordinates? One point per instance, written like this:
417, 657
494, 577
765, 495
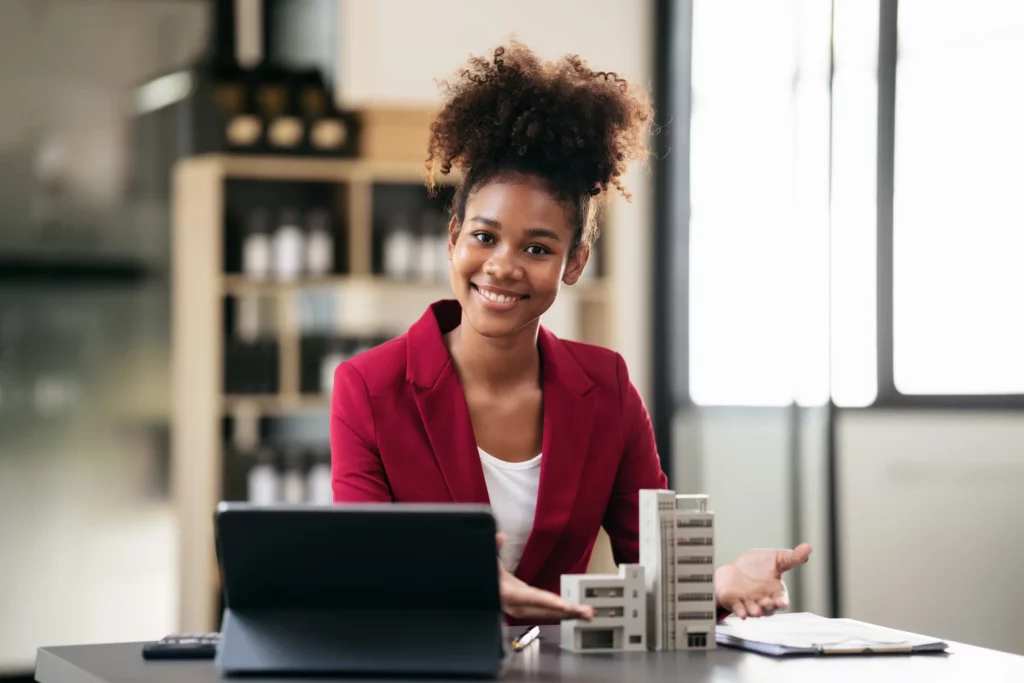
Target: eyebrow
532, 232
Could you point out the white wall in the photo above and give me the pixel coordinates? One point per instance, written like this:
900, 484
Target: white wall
741, 457
932, 522
393, 52
931, 512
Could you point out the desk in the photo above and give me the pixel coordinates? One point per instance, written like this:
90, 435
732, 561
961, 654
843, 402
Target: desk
123, 662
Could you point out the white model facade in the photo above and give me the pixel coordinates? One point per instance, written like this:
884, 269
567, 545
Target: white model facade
620, 604
677, 553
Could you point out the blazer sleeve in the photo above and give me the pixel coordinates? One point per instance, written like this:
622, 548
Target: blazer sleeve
639, 468
357, 471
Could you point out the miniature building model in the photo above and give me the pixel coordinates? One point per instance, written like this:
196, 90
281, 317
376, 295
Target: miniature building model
619, 602
677, 553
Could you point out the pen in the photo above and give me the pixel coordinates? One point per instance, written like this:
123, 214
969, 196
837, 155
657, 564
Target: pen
525, 638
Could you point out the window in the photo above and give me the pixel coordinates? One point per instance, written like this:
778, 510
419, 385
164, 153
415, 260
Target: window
853, 231
693, 541
958, 221
696, 616
759, 175
604, 592
608, 611
695, 578
635, 639
597, 639
695, 597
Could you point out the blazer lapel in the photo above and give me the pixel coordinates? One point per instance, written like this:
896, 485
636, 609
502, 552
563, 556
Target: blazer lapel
568, 418
442, 404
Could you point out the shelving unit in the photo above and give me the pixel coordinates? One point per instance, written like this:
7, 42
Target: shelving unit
365, 303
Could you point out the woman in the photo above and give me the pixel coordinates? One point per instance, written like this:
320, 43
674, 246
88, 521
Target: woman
477, 402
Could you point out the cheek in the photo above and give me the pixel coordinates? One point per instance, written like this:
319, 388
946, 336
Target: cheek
546, 275
465, 258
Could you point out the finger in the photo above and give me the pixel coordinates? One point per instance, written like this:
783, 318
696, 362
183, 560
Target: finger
499, 538
528, 613
739, 610
788, 559
544, 607
753, 609
767, 605
781, 598
529, 596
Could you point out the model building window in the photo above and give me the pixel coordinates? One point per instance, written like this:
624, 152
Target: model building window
597, 639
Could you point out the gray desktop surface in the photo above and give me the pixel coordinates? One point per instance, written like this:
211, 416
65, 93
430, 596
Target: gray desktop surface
121, 662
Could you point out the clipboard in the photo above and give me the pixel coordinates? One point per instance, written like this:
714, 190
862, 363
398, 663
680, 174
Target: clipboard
804, 633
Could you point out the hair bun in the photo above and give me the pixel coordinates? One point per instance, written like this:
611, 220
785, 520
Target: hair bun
575, 127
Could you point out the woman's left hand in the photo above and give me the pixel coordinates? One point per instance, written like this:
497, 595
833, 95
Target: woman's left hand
752, 584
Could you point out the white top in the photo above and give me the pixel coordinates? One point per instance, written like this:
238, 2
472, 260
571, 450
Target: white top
512, 488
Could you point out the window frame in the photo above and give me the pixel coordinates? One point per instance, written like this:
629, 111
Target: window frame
888, 395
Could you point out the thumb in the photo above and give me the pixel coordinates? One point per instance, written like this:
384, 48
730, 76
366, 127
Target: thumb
788, 559
500, 540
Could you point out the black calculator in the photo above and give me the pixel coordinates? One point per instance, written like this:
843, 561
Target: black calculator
183, 646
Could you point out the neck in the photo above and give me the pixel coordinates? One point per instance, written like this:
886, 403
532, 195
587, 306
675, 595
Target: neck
496, 363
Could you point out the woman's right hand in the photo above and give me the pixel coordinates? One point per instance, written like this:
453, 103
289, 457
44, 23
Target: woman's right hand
524, 602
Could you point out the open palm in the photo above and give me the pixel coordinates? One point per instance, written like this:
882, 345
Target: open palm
751, 585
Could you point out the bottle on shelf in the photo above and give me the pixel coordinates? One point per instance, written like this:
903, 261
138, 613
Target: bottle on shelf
288, 247
327, 131
399, 248
333, 357
285, 130
247, 317
264, 482
293, 485
234, 98
256, 247
318, 480
319, 243
426, 252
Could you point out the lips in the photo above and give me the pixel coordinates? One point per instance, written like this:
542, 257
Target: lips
498, 297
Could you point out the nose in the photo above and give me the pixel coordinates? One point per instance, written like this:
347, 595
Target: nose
503, 265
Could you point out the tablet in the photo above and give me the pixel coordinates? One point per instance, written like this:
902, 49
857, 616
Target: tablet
376, 588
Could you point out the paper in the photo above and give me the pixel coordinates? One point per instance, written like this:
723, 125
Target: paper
803, 632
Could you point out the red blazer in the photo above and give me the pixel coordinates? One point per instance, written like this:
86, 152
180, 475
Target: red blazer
400, 431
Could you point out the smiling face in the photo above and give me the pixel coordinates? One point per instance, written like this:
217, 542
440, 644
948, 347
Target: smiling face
510, 256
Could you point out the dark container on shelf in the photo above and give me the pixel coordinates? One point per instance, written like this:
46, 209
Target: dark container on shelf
251, 367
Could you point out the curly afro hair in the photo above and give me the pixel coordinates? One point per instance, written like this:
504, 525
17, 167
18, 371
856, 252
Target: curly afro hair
573, 128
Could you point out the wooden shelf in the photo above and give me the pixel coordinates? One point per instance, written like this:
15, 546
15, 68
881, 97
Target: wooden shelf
242, 285
236, 285
303, 169
275, 404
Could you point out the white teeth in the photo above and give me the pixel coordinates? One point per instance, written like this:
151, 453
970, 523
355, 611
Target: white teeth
499, 298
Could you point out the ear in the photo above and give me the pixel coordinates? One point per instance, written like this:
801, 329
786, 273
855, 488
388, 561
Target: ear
577, 262
453, 234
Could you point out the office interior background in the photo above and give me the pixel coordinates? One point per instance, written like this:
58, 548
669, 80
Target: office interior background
817, 285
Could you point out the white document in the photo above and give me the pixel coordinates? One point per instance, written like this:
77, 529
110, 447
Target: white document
806, 633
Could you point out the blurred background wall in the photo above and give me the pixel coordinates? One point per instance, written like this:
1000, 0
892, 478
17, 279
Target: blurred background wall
816, 286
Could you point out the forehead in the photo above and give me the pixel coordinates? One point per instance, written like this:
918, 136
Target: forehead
518, 204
